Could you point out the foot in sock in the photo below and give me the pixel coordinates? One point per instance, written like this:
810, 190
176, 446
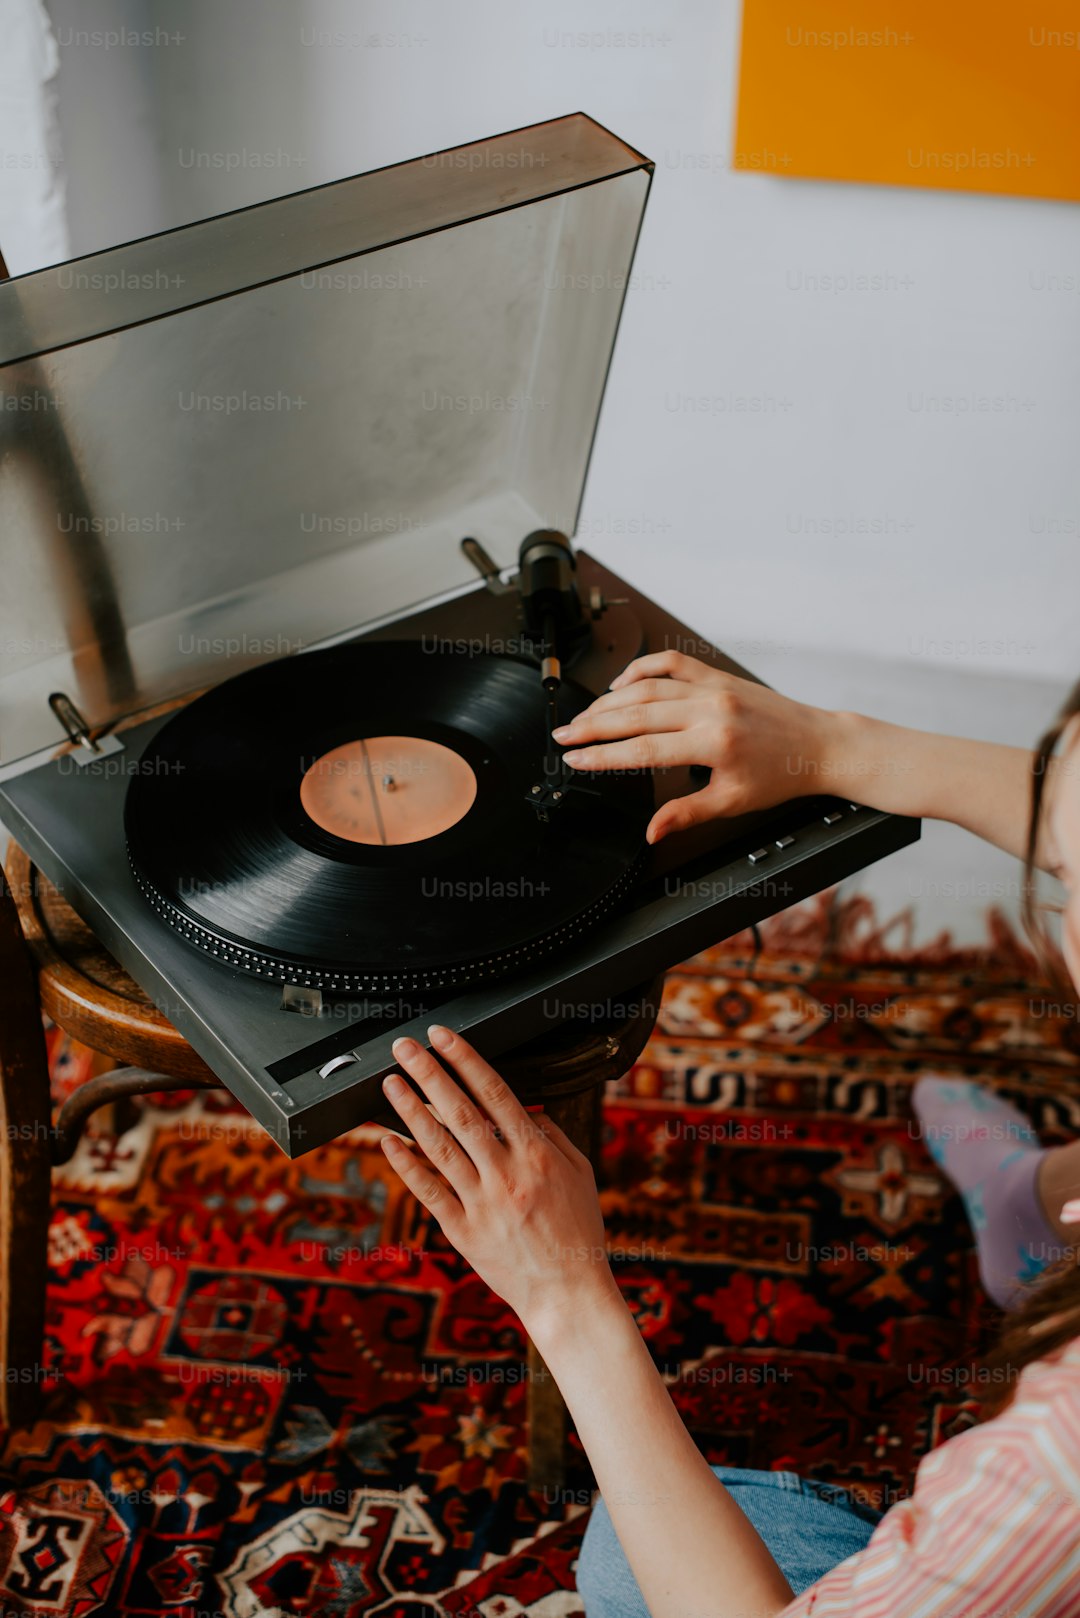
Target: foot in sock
992, 1155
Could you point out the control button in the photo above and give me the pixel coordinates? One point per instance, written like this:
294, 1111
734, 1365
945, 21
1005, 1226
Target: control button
831, 819
759, 854
854, 805
784, 842
336, 1063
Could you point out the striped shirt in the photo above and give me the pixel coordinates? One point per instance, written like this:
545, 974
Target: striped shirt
992, 1528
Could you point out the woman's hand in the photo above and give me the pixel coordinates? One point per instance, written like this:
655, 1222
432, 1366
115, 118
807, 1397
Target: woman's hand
508, 1188
668, 709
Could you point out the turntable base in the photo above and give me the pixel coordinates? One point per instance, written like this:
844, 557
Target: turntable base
89, 995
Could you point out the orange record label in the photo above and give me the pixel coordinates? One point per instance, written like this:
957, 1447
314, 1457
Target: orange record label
388, 789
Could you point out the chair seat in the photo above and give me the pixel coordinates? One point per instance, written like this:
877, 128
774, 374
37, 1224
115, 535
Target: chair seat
85, 990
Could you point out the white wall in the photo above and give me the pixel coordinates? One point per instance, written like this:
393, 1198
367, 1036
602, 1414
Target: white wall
33, 224
965, 546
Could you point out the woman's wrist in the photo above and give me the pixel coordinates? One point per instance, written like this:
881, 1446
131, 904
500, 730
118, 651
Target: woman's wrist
860, 758
828, 752
565, 1316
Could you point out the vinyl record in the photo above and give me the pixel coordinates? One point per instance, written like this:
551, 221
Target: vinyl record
357, 819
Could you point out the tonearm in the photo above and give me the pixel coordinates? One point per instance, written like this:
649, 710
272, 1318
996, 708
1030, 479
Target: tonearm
556, 624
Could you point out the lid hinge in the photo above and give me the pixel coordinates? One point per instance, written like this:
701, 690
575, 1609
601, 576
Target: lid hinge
485, 566
90, 747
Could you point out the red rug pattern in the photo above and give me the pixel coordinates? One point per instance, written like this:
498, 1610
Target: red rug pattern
271, 1388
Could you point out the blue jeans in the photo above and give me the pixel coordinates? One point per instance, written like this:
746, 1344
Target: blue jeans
809, 1527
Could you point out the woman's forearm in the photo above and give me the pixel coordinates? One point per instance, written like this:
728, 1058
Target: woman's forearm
691, 1549
982, 786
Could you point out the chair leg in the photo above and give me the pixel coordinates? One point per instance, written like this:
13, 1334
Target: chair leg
25, 1163
579, 1117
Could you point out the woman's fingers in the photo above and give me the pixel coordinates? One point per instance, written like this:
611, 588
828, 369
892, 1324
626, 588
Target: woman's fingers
679, 814
628, 718
435, 1141
648, 751
472, 1129
425, 1186
487, 1087
675, 665
652, 690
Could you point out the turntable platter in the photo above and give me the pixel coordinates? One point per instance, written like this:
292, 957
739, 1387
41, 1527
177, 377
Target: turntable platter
358, 820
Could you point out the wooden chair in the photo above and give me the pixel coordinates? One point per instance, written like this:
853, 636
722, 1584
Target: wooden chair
50, 961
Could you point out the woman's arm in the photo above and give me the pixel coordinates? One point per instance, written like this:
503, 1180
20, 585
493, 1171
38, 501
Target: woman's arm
669, 709
984, 787
692, 1550
519, 1201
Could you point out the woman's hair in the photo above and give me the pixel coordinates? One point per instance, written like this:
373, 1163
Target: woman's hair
1033, 915
1050, 1317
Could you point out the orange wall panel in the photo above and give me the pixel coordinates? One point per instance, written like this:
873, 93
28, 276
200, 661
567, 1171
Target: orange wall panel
947, 93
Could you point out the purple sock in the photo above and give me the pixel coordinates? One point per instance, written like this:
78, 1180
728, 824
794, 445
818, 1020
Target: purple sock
991, 1154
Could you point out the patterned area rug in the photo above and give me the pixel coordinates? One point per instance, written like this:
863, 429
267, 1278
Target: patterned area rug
272, 1389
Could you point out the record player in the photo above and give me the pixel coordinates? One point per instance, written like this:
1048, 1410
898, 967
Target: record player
290, 610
